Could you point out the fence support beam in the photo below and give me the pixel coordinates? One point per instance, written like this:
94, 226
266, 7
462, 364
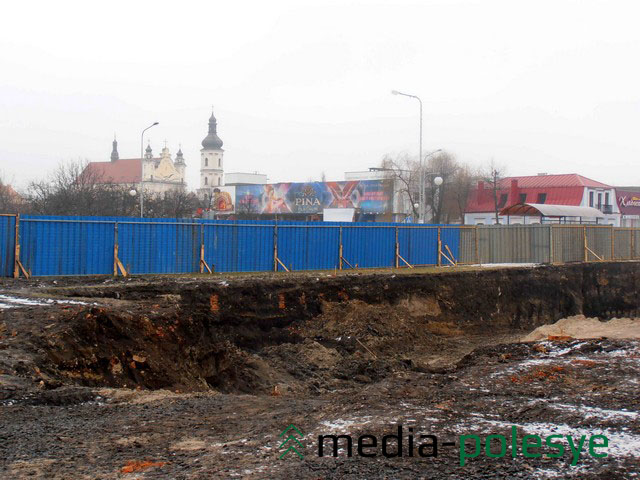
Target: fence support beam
439, 248
586, 248
117, 264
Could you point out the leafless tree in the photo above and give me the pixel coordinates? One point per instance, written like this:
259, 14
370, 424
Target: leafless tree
445, 166
172, 204
461, 184
404, 170
73, 189
493, 174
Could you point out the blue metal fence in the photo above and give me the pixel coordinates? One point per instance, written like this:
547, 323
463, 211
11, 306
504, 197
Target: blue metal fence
7, 244
88, 245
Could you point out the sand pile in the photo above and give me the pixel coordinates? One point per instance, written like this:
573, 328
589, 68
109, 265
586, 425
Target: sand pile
580, 327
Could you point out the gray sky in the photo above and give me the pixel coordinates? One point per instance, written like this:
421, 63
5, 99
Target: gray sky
304, 87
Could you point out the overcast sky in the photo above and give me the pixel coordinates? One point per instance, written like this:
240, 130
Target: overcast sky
304, 87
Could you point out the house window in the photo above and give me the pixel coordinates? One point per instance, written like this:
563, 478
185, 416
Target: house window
542, 197
219, 181
219, 162
591, 199
599, 200
606, 198
206, 181
523, 198
206, 162
503, 200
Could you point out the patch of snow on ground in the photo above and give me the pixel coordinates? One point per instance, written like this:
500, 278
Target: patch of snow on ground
7, 301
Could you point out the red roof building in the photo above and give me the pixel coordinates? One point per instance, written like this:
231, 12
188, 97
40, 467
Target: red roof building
567, 189
160, 174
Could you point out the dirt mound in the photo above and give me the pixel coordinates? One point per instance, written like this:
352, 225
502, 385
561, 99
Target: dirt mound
581, 327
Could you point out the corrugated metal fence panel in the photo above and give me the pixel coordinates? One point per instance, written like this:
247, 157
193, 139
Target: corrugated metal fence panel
66, 246
231, 246
369, 246
568, 244
450, 237
467, 249
622, 244
599, 240
7, 245
154, 247
514, 244
418, 245
309, 247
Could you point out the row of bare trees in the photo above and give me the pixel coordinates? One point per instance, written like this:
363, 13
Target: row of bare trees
73, 190
445, 203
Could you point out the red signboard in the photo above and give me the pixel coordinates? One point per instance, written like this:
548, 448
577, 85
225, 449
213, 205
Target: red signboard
629, 202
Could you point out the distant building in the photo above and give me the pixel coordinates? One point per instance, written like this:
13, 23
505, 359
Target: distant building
568, 189
160, 174
401, 208
237, 178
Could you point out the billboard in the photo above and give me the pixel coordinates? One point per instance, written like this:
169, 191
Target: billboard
628, 202
223, 200
370, 196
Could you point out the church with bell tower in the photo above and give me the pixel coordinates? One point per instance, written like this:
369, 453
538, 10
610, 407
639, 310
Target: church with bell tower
211, 158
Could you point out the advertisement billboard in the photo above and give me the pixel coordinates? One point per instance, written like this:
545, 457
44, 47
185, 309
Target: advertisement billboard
223, 200
628, 202
370, 196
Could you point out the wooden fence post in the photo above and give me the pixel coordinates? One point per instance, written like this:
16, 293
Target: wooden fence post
115, 249
439, 248
340, 248
16, 248
586, 247
275, 248
397, 249
613, 241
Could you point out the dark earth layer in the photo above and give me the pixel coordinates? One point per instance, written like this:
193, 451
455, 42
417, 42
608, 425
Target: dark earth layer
222, 365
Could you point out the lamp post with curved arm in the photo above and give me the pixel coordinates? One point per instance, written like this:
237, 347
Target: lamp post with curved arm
421, 193
142, 168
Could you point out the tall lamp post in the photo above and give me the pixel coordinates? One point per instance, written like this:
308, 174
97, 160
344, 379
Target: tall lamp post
142, 168
421, 195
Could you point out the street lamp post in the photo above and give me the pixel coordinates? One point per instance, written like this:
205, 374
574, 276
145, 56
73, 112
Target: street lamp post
420, 196
142, 168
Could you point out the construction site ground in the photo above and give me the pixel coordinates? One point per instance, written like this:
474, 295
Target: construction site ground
197, 376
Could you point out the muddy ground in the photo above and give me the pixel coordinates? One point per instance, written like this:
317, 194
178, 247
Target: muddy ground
158, 377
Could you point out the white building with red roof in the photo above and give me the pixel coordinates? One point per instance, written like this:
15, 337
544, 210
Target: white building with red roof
567, 189
160, 174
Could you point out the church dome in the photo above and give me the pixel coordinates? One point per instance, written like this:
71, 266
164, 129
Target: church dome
212, 140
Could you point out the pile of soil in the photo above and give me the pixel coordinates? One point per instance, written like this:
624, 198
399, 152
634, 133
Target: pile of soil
581, 327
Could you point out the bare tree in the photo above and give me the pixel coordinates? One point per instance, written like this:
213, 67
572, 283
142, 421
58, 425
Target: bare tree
172, 204
461, 185
73, 189
404, 170
493, 175
445, 166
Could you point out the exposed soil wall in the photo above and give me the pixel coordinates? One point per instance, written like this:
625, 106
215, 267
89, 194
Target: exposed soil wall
314, 331
521, 298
